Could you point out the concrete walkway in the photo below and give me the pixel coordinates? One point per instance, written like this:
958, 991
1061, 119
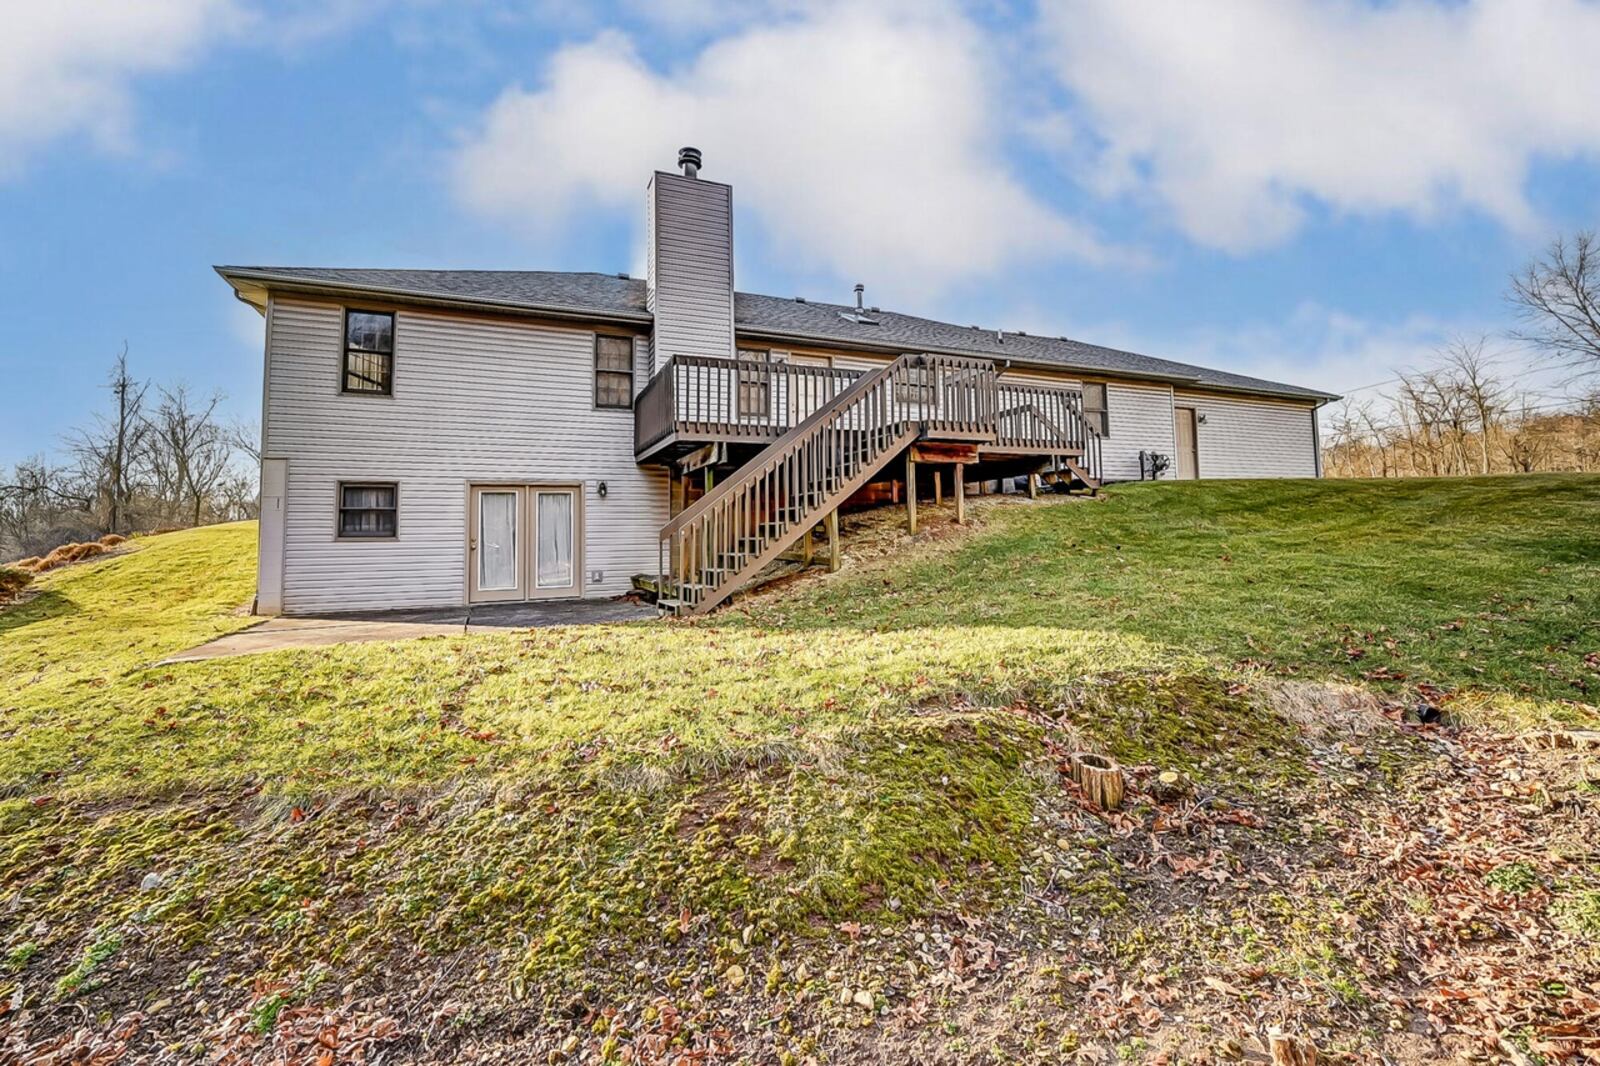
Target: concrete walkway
274, 634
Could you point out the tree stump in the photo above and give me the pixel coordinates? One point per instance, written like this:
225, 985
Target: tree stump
1100, 778
1291, 1050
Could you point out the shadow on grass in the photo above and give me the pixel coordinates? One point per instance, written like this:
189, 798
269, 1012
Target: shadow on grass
42, 607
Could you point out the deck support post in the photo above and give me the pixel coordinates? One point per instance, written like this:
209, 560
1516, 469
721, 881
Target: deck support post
711, 479
959, 485
676, 483
911, 493
831, 524
1033, 486
938, 486
806, 547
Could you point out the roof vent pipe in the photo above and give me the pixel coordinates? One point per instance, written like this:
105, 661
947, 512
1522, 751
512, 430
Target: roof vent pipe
860, 292
689, 160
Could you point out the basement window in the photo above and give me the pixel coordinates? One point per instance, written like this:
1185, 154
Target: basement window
368, 510
613, 371
369, 352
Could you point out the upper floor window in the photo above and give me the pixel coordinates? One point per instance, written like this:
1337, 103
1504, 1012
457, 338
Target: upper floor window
368, 509
755, 381
369, 352
613, 371
1095, 411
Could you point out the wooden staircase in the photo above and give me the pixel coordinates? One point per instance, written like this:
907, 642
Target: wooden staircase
727, 536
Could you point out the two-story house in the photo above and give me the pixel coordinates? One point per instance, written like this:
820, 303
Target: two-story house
439, 437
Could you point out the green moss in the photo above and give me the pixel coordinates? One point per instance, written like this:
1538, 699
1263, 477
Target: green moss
1200, 723
264, 1015
1513, 877
1579, 914
82, 976
19, 957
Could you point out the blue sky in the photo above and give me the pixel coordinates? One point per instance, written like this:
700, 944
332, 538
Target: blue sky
1318, 192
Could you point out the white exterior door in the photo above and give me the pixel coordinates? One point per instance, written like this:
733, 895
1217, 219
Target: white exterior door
555, 540
495, 545
1188, 443
524, 542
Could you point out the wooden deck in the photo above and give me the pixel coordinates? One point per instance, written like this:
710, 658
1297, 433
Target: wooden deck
697, 400
818, 436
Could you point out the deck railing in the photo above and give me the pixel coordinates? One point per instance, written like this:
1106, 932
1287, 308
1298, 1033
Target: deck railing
1041, 419
833, 433
709, 398
734, 530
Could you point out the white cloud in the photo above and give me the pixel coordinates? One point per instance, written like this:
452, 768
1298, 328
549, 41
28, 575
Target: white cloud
1238, 114
66, 66
860, 139
1319, 347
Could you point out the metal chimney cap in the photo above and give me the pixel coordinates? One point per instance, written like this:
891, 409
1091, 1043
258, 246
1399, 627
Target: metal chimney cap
689, 159
860, 289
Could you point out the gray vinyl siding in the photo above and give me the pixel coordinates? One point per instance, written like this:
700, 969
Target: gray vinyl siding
1043, 378
1140, 418
690, 284
1248, 438
474, 401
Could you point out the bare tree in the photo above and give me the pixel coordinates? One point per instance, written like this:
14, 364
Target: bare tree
189, 452
235, 497
244, 436
1477, 389
108, 451
38, 500
1558, 298
1526, 448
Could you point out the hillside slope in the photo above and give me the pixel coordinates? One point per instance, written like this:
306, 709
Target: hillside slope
833, 824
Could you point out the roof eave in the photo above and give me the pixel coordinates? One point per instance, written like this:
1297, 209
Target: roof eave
852, 342
1189, 380
251, 280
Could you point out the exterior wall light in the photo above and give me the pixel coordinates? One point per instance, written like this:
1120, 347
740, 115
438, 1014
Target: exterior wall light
1200, 418
601, 490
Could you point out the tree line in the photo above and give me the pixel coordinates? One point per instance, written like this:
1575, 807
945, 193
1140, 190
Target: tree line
1471, 409
159, 457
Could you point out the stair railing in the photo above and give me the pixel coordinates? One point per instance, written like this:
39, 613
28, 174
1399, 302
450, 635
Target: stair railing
710, 548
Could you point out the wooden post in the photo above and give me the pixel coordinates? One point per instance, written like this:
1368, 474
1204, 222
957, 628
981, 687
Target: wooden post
938, 486
911, 493
1291, 1050
831, 524
1100, 778
675, 487
711, 479
960, 487
805, 547
1033, 486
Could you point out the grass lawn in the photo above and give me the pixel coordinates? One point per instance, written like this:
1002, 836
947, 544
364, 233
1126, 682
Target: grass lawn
1487, 583
530, 825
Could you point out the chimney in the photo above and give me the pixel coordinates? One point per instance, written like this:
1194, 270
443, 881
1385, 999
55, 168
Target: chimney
689, 286
861, 292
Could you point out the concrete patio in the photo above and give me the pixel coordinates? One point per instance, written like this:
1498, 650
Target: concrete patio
276, 634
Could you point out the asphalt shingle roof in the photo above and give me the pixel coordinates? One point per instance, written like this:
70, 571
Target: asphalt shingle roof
772, 317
